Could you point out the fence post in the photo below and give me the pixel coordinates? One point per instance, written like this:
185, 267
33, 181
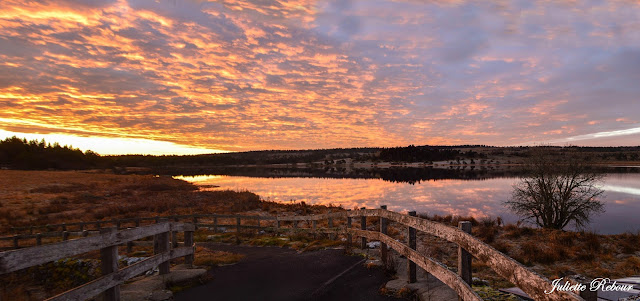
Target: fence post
363, 226
31, 230
215, 224
109, 264
161, 245
188, 242
98, 226
15, 240
237, 230
137, 222
65, 235
349, 237
314, 226
412, 245
330, 226
195, 221
464, 258
82, 227
129, 246
174, 236
174, 239
383, 230
118, 224
277, 225
38, 239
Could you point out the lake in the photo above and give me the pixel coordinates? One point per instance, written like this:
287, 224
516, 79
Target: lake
479, 198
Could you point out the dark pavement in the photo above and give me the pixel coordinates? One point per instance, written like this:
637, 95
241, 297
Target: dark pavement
274, 273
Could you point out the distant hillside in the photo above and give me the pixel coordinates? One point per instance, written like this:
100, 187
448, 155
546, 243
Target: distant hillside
22, 154
247, 158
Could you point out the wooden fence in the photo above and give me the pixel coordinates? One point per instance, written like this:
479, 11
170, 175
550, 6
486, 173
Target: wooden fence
468, 246
107, 242
530, 282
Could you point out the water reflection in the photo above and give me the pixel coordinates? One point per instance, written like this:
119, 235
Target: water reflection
478, 198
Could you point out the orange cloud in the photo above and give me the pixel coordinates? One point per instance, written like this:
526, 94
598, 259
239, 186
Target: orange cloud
241, 75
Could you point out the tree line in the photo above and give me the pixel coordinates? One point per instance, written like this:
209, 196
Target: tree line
19, 153
22, 154
425, 153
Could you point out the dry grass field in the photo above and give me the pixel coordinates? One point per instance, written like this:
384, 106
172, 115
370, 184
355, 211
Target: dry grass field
50, 197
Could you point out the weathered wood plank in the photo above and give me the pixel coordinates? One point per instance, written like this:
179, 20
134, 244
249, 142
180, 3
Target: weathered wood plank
464, 258
435, 268
233, 216
99, 285
229, 226
109, 264
18, 259
340, 214
188, 242
383, 229
363, 226
161, 245
349, 237
174, 239
529, 281
411, 266
182, 227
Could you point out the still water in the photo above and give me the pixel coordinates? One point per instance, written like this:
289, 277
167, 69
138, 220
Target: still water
478, 198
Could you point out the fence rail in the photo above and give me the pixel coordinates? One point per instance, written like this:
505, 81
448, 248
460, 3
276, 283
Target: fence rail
530, 282
107, 242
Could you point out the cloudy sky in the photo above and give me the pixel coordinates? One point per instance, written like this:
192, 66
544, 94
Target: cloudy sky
179, 76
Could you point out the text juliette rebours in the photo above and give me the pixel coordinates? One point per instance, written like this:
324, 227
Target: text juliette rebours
597, 284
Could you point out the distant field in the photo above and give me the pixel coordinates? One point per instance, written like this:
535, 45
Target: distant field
47, 197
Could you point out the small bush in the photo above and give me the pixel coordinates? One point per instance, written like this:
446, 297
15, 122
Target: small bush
487, 233
629, 243
531, 252
562, 238
630, 266
502, 246
591, 241
513, 231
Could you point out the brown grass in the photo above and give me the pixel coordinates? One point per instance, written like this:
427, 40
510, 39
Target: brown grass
53, 197
553, 253
207, 257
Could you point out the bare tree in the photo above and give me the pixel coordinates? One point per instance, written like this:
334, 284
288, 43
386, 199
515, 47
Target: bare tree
559, 189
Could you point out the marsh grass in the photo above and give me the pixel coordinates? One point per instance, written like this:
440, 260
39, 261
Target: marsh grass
52, 197
553, 253
208, 257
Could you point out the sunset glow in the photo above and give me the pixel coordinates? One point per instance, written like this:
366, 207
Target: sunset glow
189, 76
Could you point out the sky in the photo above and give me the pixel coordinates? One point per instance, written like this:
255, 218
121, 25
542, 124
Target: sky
186, 76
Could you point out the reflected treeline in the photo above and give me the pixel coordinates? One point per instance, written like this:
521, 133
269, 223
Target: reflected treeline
398, 175
403, 175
